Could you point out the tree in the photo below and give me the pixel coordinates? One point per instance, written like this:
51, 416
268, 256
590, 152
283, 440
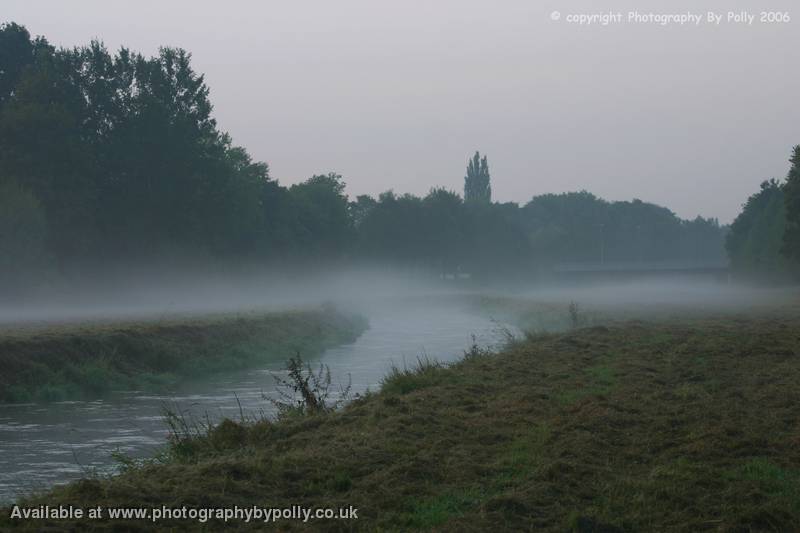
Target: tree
754, 240
791, 195
163, 159
392, 230
580, 227
497, 241
23, 256
45, 148
443, 225
567, 227
476, 183
123, 153
16, 53
360, 209
323, 224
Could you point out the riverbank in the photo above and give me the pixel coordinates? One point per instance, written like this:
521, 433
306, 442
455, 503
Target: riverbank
633, 426
60, 362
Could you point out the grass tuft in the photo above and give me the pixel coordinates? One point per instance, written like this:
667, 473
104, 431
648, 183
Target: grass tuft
426, 373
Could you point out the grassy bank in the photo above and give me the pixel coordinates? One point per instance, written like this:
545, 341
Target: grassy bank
639, 426
68, 362
585, 308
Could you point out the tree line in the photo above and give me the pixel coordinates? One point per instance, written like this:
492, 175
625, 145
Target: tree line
114, 158
764, 240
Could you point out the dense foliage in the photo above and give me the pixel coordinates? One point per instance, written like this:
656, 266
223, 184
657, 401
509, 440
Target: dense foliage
115, 159
754, 241
764, 240
791, 238
477, 187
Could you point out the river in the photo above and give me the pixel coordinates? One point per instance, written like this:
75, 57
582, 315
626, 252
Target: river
46, 444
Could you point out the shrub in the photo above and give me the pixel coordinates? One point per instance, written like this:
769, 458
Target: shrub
305, 391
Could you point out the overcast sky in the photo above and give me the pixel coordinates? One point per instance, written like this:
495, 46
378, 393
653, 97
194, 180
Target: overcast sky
398, 94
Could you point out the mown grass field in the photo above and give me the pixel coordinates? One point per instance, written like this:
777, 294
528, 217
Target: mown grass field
636, 426
87, 361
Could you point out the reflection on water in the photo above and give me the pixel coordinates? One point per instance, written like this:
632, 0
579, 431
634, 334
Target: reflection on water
44, 444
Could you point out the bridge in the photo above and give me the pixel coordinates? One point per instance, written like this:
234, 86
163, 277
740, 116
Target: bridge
637, 269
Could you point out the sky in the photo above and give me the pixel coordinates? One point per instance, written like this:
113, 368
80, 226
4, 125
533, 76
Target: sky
399, 94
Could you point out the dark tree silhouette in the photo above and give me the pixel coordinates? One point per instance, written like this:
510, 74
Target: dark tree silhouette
477, 188
755, 236
791, 239
113, 157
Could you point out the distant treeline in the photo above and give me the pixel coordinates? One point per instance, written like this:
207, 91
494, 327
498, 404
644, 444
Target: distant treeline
111, 159
764, 240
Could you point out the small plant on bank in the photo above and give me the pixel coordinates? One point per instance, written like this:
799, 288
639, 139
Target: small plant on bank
476, 351
305, 391
502, 331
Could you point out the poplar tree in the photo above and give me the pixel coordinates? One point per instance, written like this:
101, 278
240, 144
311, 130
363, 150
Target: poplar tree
476, 183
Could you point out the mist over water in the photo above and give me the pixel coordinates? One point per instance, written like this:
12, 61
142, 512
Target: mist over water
43, 444
162, 295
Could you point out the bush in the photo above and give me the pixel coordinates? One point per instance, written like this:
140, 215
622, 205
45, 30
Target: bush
305, 391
